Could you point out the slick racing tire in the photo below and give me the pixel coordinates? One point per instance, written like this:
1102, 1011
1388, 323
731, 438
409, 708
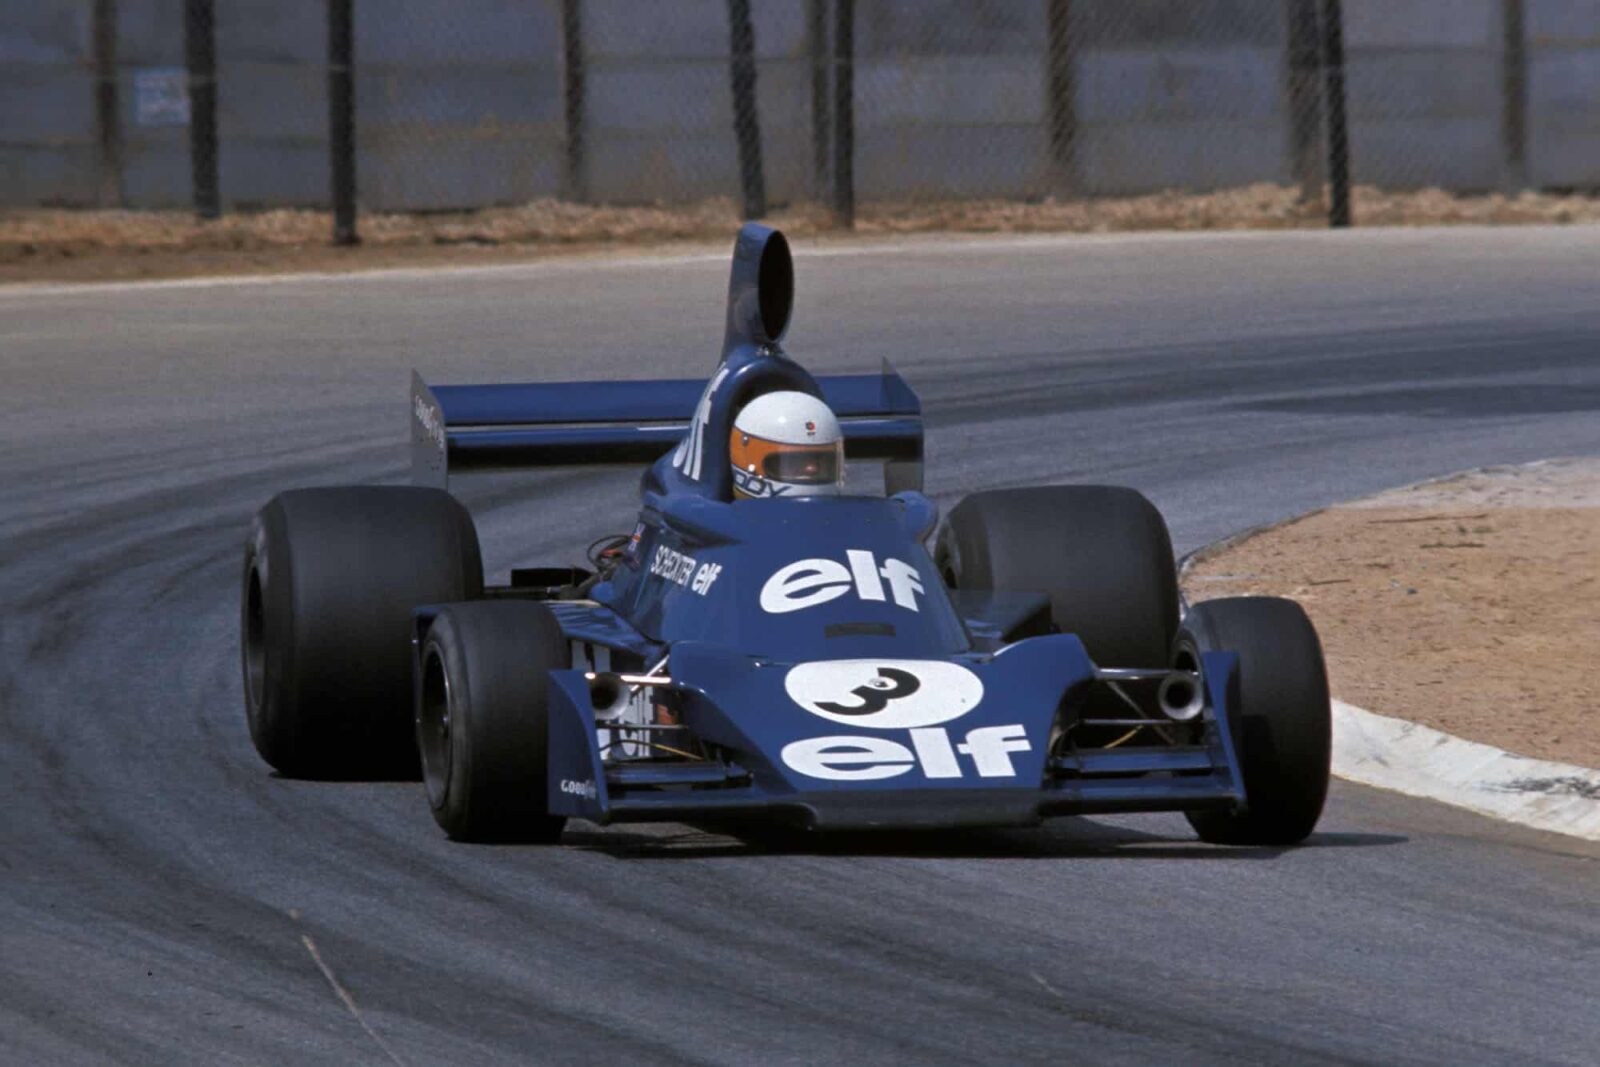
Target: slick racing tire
482, 720
330, 580
1283, 724
1100, 552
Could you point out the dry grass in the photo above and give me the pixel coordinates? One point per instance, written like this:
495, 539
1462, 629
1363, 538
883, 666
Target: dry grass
42, 243
45, 232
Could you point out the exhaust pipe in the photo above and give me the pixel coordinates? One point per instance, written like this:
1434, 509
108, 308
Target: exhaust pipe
608, 694
1180, 696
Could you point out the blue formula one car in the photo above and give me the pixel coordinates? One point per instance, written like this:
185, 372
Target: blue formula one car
763, 645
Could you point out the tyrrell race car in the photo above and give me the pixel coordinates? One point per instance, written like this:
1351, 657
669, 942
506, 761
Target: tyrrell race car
762, 645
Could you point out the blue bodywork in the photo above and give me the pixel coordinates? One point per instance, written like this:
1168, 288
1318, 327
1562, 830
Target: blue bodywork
819, 669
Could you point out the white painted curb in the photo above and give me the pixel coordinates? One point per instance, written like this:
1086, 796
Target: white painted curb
1410, 758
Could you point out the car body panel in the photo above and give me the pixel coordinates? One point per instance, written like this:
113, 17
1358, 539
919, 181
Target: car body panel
805, 659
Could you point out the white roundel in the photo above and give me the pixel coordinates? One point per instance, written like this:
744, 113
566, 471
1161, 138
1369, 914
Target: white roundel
884, 694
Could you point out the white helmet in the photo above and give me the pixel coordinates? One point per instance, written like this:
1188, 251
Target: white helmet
786, 444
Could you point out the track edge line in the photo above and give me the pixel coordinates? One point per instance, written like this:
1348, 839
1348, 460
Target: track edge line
1407, 757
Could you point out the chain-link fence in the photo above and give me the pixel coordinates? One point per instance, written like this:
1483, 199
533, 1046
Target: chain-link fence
462, 104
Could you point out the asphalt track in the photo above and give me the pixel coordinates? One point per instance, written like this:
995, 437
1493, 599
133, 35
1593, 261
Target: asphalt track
164, 898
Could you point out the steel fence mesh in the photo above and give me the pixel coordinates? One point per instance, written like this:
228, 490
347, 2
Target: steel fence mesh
659, 115
471, 103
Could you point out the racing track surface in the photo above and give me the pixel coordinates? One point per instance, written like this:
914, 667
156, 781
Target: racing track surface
164, 898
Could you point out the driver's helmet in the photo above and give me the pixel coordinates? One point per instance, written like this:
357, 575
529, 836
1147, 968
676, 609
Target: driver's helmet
786, 444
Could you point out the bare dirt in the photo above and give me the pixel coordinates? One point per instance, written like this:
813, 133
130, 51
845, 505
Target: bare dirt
66, 245
1470, 604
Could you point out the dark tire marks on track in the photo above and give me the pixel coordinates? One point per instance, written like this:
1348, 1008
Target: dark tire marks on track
158, 880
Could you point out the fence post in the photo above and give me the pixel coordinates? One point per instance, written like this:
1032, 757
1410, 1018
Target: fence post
844, 123
1514, 91
342, 120
1060, 61
574, 178
200, 55
108, 122
1338, 132
746, 120
1305, 99
817, 50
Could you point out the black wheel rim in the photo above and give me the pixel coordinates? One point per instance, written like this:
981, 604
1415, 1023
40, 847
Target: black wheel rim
433, 727
255, 640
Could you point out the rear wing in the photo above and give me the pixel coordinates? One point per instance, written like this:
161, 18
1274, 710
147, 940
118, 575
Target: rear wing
457, 428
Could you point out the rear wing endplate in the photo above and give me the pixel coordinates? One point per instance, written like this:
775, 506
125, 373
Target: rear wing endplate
456, 428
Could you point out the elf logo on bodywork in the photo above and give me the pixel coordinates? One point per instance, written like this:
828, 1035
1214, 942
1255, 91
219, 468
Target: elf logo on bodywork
680, 569
884, 694
690, 454
429, 420
809, 582
915, 695
864, 758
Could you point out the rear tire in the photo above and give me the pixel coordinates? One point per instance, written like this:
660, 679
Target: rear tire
1283, 724
330, 580
1100, 552
482, 720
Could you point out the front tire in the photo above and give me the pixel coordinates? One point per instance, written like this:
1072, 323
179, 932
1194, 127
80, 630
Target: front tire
1100, 552
330, 580
482, 719
1283, 724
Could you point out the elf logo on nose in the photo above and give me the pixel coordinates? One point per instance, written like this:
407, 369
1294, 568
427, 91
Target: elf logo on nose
809, 582
912, 695
933, 754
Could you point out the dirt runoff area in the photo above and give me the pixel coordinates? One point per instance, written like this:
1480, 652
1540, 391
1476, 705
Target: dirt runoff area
1470, 604
73, 245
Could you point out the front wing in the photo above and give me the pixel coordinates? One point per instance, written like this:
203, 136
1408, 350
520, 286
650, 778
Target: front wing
777, 752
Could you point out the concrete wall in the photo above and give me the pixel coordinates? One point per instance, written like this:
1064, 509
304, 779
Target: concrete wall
1423, 78
155, 159
460, 103
47, 134
949, 99
1564, 93
1181, 94
462, 109
272, 105
659, 102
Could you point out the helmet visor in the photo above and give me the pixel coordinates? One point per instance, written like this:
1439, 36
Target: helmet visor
811, 466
